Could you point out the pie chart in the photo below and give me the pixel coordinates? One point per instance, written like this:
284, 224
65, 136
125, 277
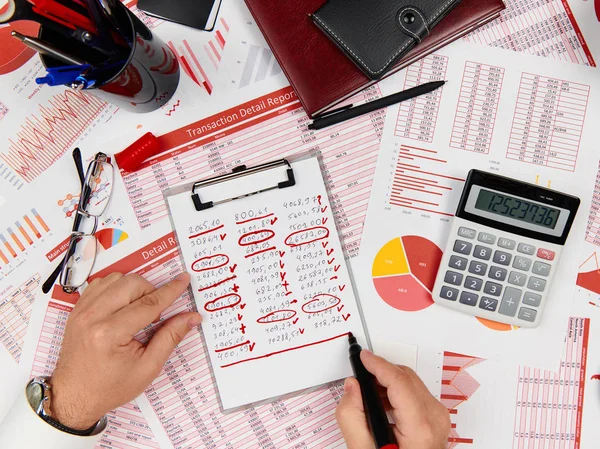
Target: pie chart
404, 272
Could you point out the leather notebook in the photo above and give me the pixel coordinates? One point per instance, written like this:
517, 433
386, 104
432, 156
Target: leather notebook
319, 72
375, 34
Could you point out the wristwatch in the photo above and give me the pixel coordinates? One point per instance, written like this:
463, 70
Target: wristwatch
39, 393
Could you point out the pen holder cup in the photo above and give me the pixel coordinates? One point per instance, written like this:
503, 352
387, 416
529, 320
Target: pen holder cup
142, 82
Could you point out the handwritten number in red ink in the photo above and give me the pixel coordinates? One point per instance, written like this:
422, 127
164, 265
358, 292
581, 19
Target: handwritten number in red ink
233, 267
223, 236
323, 209
273, 220
345, 317
319, 199
339, 309
252, 347
342, 287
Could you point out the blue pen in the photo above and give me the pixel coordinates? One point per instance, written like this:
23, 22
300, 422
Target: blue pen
72, 74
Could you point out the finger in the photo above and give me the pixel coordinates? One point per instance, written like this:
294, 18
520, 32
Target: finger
169, 335
406, 392
141, 312
96, 288
350, 415
126, 290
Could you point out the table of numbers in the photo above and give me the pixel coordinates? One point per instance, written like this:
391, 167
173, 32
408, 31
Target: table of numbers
417, 117
548, 122
15, 308
592, 233
477, 107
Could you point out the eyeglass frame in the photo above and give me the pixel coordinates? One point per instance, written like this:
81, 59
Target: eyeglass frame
86, 191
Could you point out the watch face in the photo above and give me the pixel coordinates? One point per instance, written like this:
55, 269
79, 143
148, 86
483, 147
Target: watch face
35, 394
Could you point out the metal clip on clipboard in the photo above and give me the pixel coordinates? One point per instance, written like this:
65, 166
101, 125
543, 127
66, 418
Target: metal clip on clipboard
239, 172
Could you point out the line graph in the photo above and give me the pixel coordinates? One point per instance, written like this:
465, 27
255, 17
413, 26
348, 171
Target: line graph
458, 386
44, 138
419, 182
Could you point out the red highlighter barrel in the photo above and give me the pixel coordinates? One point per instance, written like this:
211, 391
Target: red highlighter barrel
376, 416
144, 148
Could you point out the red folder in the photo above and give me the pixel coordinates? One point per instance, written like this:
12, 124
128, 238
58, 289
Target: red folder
319, 72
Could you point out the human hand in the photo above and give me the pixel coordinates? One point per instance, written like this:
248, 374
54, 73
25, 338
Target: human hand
101, 366
421, 421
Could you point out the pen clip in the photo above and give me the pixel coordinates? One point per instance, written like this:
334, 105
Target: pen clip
332, 112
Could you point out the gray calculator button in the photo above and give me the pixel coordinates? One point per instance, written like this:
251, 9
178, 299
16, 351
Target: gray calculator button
510, 301
486, 237
536, 284
522, 263
469, 299
526, 314
473, 283
532, 299
506, 243
452, 277
491, 288
477, 268
462, 247
488, 304
458, 263
497, 273
502, 258
541, 268
449, 293
526, 248
482, 252
517, 278
467, 233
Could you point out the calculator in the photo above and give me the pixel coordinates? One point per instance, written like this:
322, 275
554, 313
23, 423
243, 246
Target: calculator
503, 249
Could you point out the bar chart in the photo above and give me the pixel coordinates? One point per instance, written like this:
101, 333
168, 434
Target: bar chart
259, 65
23, 233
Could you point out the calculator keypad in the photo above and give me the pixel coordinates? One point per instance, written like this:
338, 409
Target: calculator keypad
496, 274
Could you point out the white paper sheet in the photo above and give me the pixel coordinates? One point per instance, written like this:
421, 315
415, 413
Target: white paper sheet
501, 111
271, 282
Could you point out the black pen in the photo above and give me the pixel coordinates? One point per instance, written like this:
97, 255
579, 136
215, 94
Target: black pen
343, 114
376, 416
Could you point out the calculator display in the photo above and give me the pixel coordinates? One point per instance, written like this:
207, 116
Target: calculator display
517, 208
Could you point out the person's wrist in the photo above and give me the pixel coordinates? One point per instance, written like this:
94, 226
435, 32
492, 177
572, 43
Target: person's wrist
70, 410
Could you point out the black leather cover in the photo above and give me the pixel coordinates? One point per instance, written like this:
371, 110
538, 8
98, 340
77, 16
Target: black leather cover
374, 34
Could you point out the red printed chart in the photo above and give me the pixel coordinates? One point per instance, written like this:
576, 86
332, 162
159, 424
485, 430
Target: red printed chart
404, 272
545, 28
549, 404
420, 183
458, 386
477, 107
589, 274
417, 117
548, 122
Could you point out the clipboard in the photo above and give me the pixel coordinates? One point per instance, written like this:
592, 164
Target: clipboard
269, 277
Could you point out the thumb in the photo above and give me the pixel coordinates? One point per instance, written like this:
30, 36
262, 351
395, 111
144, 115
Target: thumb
170, 334
351, 418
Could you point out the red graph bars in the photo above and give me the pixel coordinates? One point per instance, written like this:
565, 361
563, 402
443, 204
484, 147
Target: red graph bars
42, 140
458, 386
19, 241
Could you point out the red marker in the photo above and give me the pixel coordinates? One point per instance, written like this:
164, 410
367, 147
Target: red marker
376, 416
144, 148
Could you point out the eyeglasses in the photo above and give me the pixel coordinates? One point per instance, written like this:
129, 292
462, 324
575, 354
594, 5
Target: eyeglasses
96, 189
